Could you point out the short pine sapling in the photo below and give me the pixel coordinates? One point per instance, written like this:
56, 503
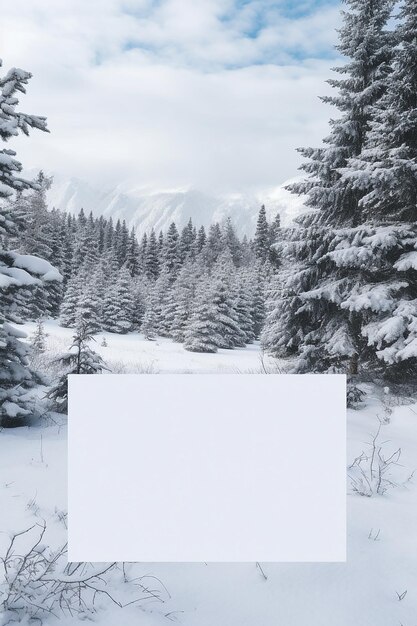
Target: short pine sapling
38, 341
79, 359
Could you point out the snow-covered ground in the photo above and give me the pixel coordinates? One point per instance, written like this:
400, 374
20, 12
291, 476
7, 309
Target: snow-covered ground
132, 353
376, 587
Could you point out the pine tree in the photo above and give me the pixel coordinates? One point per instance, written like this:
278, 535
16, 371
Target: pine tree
152, 262
118, 304
38, 340
274, 236
140, 289
69, 306
261, 241
172, 256
186, 241
133, 254
202, 332
89, 304
384, 297
108, 235
231, 242
79, 359
66, 239
243, 307
311, 319
37, 238
256, 290
142, 252
201, 239
181, 301
85, 245
149, 326
161, 298
38, 235
160, 242
17, 272
225, 300
213, 246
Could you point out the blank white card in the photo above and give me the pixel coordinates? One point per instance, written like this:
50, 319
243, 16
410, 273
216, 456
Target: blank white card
207, 468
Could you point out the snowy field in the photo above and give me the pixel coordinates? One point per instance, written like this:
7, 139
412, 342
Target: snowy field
133, 354
376, 587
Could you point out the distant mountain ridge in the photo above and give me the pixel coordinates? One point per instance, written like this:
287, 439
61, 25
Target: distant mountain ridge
145, 210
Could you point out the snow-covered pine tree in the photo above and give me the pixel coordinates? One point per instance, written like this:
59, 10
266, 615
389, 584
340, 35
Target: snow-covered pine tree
257, 302
202, 332
66, 239
79, 359
186, 241
309, 319
213, 246
243, 306
123, 244
37, 238
274, 235
172, 254
89, 302
69, 306
160, 242
38, 339
231, 242
85, 245
108, 235
152, 257
384, 297
201, 239
161, 298
181, 300
149, 326
57, 259
225, 299
38, 234
140, 289
118, 304
261, 241
142, 252
133, 254
17, 272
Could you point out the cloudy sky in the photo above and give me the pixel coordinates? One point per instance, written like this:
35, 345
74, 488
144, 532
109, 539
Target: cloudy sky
215, 94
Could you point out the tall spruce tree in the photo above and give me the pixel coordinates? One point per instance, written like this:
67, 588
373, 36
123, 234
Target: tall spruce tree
202, 333
314, 322
17, 272
181, 301
152, 257
118, 304
172, 253
261, 240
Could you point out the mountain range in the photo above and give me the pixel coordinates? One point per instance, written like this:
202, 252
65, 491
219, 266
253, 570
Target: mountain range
144, 210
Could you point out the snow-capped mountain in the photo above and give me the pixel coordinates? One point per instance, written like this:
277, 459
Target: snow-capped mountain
144, 210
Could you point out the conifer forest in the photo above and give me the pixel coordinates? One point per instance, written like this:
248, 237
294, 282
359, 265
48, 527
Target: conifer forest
333, 290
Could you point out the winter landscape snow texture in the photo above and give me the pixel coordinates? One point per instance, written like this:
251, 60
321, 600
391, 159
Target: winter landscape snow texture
140, 280
382, 545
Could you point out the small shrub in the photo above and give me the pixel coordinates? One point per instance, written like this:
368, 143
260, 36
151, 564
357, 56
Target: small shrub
373, 472
37, 582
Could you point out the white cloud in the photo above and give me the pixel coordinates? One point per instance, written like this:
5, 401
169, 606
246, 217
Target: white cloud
174, 92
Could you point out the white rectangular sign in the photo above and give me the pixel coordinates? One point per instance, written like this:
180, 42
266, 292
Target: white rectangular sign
198, 467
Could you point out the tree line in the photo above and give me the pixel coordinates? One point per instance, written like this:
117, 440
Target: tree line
206, 290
